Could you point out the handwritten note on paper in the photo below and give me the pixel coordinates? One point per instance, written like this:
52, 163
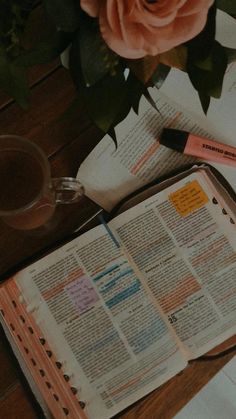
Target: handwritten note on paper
82, 293
188, 198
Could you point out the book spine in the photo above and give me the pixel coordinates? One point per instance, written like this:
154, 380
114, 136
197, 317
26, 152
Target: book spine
46, 370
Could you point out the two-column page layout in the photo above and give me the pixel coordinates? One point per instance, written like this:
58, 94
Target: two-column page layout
124, 319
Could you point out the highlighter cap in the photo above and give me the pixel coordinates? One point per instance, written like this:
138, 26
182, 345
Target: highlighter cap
174, 138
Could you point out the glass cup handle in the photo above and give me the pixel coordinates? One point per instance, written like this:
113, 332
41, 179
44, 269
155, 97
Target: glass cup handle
67, 190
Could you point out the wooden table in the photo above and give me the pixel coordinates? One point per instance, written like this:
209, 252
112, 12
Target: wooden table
67, 141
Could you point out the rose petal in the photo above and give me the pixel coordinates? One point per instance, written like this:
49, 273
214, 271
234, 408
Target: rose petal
135, 28
194, 6
91, 7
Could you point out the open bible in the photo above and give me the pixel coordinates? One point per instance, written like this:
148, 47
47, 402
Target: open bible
110, 316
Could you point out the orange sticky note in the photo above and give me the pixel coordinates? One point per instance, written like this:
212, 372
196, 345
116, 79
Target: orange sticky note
189, 198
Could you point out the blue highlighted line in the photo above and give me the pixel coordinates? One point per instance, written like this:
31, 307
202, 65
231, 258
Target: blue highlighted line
99, 344
111, 284
105, 272
123, 295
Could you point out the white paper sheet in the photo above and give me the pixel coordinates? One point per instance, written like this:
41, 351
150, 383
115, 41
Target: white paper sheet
217, 399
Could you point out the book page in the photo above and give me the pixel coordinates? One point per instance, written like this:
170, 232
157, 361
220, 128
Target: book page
101, 322
110, 174
184, 243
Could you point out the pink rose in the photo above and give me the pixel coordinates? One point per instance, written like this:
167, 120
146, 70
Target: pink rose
135, 28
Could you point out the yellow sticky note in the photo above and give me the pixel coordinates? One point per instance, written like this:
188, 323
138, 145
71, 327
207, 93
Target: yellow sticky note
189, 198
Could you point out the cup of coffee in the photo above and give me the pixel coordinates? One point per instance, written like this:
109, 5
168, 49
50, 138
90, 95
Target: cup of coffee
28, 194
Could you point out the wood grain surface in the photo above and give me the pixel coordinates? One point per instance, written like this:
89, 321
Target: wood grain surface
67, 141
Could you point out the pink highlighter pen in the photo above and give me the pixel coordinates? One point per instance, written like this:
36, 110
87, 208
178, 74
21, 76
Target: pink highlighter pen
192, 145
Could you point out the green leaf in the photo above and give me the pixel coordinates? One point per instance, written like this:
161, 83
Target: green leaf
201, 45
6, 17
209, 78
64, 13
101, 108
112, 134
205, 101
175, 57
150, 100
160, 75
109, 100
231, 54
205, 64
97, 60
228, 6
144, 68
103, 100
45, 51
135, 90
13, 79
